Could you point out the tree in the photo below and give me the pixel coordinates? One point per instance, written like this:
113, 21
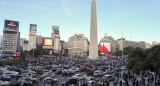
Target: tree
136, 60
148, 59
22, 55
37, 52
118, 53
127, 50
153, 58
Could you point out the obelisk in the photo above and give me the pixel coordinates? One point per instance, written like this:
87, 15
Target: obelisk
93, 48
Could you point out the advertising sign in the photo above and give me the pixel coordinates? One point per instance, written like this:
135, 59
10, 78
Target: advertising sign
11, 24
48, 42
104, 47
33, 27
17, 54
56, 29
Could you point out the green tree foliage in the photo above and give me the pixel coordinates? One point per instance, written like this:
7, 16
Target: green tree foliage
22, 55
37, 52
148, 59
127, 50
136, 60
118, 53
153, 58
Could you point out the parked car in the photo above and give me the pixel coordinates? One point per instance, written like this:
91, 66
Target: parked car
4, 83
74, 69
84, 69
66, 72
97, 73
109, 77
90, 72
71, 81
49, 81
90, 80
79, 76
59, 71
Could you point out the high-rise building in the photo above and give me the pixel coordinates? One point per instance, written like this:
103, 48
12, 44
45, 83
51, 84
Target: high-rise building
56, 36
23, 44
39, 40
32, 36
93, 49
1, 38
10, 37
78, 45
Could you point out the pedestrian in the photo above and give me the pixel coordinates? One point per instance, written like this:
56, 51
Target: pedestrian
120, 82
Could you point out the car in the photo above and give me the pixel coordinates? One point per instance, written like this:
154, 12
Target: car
84, 69
90, 72
71, 81
49, 81
59, 71
66, 72
4, 83
91, 80
123, 68
108, 71
109, 77
74, 69
117, 69
97, 73
79, 76
45, 74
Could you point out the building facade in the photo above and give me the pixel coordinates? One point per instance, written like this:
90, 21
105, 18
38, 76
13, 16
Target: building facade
56, 36
32, 37
122, 43
39, 40
78, 45
10, 37
23, 45
1, 38
148, 45
48, 45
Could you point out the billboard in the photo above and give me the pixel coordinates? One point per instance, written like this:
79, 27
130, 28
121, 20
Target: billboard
11, 24
33, 27
17, 54
56, 29
105, 47
48, 42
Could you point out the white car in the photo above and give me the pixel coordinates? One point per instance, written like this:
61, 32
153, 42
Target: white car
4, 83
90, 80
79, 76
74, 69
109, 77
97, 73
124, 68
48, 81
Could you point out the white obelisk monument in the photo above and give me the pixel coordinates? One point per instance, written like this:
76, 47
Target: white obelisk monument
93, 48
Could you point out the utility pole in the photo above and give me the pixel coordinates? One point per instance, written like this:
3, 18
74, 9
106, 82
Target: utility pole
122, 43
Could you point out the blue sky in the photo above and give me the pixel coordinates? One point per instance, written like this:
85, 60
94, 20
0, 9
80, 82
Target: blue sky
140, 18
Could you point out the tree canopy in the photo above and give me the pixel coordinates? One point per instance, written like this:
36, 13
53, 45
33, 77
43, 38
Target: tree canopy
140, 59
37, 52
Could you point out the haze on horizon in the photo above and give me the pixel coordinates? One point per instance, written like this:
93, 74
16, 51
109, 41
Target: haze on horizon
140, 18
